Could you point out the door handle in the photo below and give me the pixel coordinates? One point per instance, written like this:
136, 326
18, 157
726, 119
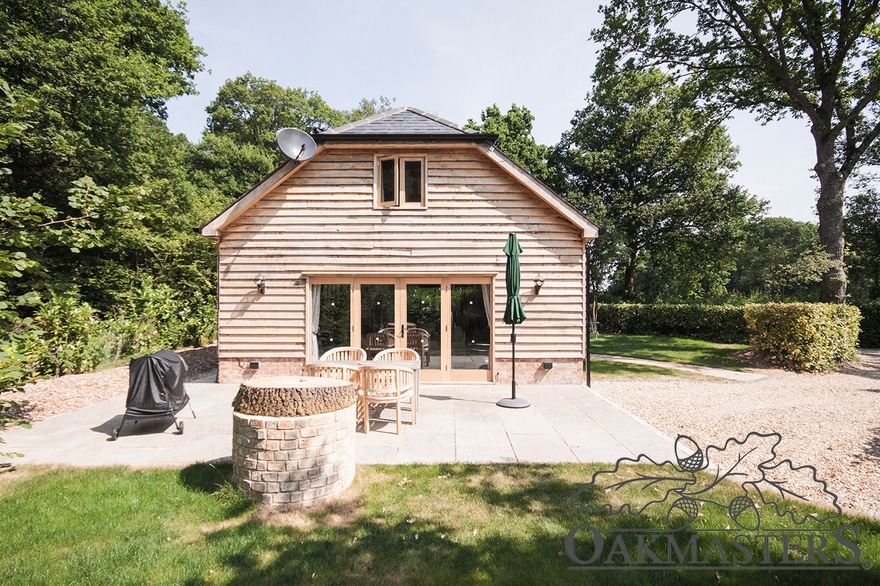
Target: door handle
402, 330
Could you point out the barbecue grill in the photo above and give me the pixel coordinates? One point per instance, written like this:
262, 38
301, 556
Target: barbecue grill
155, 389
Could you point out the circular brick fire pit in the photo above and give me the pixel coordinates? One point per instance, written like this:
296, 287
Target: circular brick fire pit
293, 439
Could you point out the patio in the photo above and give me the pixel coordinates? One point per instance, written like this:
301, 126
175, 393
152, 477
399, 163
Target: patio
456, 423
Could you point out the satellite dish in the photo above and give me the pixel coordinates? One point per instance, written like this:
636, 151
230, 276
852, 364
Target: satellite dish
296, 144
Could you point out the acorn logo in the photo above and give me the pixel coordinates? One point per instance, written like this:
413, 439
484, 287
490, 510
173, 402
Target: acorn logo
701, 477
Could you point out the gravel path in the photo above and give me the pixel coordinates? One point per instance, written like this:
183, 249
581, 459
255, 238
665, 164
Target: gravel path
54, 396
829, 421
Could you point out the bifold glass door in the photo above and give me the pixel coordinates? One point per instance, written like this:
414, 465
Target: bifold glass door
445, 320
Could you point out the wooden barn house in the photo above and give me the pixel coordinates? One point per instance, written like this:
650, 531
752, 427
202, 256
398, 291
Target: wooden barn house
392, 234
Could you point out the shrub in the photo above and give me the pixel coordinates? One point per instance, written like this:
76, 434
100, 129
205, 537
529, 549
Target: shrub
804, 336
715, 323
67, 336
870, 335
64, 333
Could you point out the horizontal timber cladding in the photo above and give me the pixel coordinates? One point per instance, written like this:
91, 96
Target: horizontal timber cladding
322, 221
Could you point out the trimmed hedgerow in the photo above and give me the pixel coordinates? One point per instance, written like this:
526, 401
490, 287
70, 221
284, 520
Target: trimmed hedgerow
714, 323
870, 336
804, 336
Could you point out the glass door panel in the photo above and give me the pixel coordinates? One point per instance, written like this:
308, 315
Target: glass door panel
334, 321
377, 318
423, 323
471, 333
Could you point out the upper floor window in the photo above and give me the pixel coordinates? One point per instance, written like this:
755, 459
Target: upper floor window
401, 182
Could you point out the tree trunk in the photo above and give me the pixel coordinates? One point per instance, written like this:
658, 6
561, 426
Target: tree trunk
629, 279
830, 206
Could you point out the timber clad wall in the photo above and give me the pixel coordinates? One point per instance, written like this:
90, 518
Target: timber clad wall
321, 220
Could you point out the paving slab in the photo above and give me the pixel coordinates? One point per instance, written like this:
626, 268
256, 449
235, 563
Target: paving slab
456, 423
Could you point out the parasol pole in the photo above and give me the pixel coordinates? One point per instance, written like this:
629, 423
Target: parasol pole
513, 361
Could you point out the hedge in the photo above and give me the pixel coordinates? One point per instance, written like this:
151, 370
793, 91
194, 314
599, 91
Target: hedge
804, 336
714, 323
870, 336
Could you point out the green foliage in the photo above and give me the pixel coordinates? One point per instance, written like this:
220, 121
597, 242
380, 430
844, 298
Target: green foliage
818, 60
653, 170
101, 70
870, 326
249, 109
116, 195
804, 336
68, 336
780, 256
238, 147
862, 224
514, 131
717, 323
63, 341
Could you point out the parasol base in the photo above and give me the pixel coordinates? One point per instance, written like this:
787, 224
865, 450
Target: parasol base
513, 403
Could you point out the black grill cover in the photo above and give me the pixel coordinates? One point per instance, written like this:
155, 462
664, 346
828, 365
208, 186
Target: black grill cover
155, 384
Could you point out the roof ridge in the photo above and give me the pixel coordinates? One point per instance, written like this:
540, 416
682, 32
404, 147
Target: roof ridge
363, 121
433, 117
388, 113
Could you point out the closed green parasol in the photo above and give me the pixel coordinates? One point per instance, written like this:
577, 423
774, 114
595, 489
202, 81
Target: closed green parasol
513, 314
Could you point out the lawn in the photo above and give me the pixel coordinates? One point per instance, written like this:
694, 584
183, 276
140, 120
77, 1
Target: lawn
613, 369
414, 524
669, 349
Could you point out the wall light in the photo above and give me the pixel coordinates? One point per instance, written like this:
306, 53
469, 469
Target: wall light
539, 282
260, 282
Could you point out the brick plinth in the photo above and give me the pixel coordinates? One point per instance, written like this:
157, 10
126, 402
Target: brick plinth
293, 461
233, 370
531, 371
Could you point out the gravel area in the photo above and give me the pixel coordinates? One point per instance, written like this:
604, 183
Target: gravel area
54, 396
829, 421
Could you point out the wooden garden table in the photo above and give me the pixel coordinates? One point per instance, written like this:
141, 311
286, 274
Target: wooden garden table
415, 365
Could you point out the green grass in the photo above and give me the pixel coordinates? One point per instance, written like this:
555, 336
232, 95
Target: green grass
415, 524
613, 369
669, 349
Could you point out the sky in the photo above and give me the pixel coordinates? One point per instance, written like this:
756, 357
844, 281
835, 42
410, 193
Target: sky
453, 59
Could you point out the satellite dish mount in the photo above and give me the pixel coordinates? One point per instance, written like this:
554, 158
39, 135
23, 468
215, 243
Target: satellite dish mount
296, 144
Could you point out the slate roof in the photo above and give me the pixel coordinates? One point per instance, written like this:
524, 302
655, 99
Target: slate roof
401, 122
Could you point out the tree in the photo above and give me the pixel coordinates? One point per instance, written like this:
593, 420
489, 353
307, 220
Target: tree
780, 256
816, 59
514, 131
863, 240
238, 146
100, 70
654, 172
250, 109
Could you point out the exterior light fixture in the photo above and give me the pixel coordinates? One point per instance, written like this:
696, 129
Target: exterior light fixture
260, 282
539, 282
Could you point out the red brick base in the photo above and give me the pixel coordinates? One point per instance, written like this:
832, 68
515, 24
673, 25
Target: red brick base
530, 371
233, 370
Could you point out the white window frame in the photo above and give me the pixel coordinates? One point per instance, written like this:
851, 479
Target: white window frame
399, 183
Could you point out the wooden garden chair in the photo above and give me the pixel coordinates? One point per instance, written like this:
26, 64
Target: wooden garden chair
343, 372
419, 340
385, 385
344, 353
397, 354
376, 342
